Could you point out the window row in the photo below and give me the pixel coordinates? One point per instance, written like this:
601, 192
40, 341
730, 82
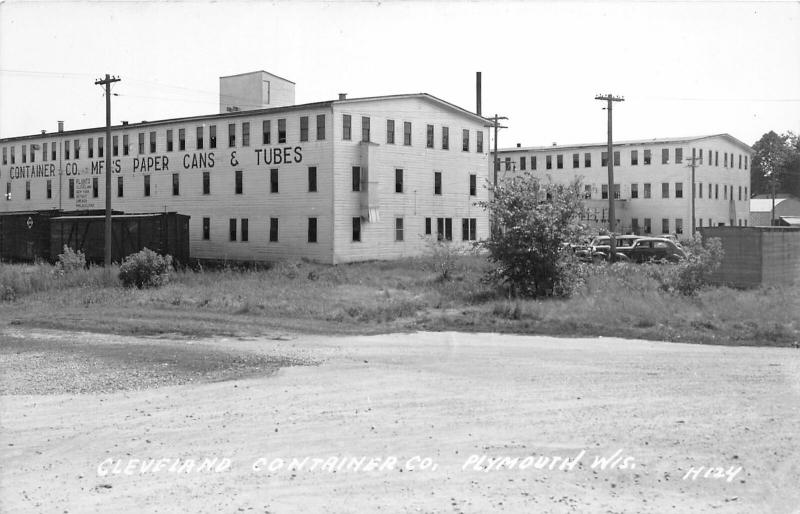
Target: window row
646, 159
175, 140
667, 188
238, 229
366, 136
359, 179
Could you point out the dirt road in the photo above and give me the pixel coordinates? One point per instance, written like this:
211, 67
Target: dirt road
595, 425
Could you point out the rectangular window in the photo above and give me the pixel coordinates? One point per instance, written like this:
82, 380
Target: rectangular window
312, 230
390, 132
303, 128
77, 147
448, 229
206, 229
678, 189
548, 162
273, 180
120, 187
231, 135
398, 181
445, 138
634, 157
647, 226
66, 146
473, 184
576, 160
147, 185
508, 163
346, 127
616, 159
700, 189
407, 133
716, 191
665, 156
604, 192
439, 229
398, 229
465, 140
740, 193
522, 163
365, 129
465, 232
232, 229
206, 182
634, 190
266, 132
665, 190
587, 192
725, 192
356, 178
282, 130
745, 192
24, 153
125, 145
312, 179
66, 153
437, 182
716, 158
479, 136
5, 156
49, 190
709, 191
678, 155
427, 225
141, 143
199, 137
44, 151
71, 188
28, 189
701, 222
169, 140
33, 153
357, 229
678, 221
320, 127
176, 184
212, 136
273, 230
647, 157
725, 156
95, 187
559, 161
245, 231
115, 145
740, 160
646, 190
429, 136
665, 225
152, 142
101, 147
587, 160
604, 159
181, 139
617, 192
745, 167
635, 226
90, 147
533, 162
238, 182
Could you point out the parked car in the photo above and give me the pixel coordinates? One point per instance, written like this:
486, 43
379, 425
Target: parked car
600, 248
655, 248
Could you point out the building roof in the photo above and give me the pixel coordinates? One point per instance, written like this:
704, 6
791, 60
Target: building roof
792, 221
763, 204
254, 112
668, 140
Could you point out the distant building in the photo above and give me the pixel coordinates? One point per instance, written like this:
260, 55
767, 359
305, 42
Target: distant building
785, 206
652, 180
334, 181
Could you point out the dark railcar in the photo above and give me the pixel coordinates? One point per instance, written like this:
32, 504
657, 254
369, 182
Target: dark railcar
164, 233
25, 236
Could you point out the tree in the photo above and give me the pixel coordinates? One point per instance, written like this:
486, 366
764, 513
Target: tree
776, 164
533, 221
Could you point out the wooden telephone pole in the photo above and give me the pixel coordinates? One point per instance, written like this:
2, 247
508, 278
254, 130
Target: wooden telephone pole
693, 165
107, 83
612, 217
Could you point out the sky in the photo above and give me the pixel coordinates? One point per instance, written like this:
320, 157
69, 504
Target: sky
683, 68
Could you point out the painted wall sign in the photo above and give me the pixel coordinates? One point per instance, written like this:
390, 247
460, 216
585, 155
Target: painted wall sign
285, 155
31, 171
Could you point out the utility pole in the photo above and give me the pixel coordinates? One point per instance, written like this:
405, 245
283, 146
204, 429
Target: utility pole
693, 165
496, 157
107, 83
612, 217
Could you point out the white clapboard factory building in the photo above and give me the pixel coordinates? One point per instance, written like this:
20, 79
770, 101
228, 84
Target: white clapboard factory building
335, 181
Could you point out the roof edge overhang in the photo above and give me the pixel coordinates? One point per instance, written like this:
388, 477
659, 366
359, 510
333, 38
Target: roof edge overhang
424, 96
635, 142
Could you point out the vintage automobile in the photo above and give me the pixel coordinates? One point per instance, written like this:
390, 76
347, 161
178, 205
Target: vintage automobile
655, 249
600, 248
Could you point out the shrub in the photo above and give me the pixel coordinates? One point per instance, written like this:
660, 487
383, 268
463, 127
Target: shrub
445, 256
534, 222
145, 269
70, 261
694, 272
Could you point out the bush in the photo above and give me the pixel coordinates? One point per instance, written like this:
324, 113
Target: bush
145, 269
70, 261
693, 273
445, 256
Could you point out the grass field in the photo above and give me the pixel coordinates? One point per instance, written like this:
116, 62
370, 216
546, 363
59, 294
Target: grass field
401, 295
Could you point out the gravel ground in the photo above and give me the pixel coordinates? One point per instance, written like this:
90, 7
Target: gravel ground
46, 365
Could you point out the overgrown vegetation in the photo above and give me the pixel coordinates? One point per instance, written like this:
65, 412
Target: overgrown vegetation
692, 274
145, 268
534, 223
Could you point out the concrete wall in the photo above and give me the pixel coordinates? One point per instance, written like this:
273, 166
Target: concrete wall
757, 255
